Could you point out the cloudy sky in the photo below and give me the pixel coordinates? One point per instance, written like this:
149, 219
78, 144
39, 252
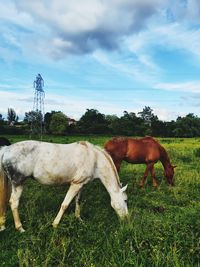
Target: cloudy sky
111, 55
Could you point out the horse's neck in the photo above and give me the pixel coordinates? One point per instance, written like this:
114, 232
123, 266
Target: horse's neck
111, 185
164, 158
110, 179
109, 176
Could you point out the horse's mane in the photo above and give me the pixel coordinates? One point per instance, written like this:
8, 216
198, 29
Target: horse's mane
149, 138
87, 144
119, 139
143, 139
163, 153
111, 162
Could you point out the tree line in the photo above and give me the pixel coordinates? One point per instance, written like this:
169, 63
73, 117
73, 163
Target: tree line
93, 122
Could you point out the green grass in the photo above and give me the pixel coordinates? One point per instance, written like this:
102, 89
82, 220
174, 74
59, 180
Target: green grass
163, 228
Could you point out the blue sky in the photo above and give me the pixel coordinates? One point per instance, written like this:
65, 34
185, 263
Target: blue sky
111, 55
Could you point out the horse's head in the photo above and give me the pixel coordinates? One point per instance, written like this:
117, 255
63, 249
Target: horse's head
169, 173
119, 202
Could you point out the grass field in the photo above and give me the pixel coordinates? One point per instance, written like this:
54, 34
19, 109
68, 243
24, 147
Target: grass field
163, 228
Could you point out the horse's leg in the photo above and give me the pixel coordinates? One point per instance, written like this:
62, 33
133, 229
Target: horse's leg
14, 203
153, 175
71, 193
77, 208
144, 176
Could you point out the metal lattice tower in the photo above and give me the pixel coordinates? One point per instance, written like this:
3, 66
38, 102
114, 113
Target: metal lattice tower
37, 122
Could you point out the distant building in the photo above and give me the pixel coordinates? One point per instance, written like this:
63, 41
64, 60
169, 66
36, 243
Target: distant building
72, 122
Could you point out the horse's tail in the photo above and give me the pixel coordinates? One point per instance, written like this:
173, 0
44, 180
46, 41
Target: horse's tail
4, 192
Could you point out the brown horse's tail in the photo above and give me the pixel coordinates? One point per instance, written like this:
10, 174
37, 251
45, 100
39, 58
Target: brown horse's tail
4, 193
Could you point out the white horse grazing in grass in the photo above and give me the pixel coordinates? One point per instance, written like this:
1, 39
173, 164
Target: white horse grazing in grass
56, 164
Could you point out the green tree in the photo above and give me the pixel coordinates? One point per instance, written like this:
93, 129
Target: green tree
58, 123
148, 118
130, 124
34, 121
147, 115
93, 122
12, 116
188, 126
112, 122
158, 127
30, 116
47, 119
1, 119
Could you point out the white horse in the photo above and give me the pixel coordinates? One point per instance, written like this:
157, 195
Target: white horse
56, 164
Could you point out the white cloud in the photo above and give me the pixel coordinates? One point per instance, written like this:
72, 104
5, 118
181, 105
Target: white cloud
166, 114
9, 13
141, 69
76, 27
169, 36
120, 35
188, 10
192, 87
73, 107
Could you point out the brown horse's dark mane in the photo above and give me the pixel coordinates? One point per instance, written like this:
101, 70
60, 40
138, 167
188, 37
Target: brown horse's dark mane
119, 139
164, 157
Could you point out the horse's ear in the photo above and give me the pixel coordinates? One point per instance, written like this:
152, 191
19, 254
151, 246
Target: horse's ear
123, 189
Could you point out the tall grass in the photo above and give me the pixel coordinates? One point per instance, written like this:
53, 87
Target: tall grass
162, 230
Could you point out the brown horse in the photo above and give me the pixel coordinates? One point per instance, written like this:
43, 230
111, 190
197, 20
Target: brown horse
141, 151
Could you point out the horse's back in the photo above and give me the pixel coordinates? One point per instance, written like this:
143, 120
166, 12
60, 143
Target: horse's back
18, 160
143, 150
134, 150
49, 163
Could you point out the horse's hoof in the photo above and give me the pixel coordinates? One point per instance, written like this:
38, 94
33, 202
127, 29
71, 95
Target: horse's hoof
80, 219
21, 230
55, 225
2, 228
